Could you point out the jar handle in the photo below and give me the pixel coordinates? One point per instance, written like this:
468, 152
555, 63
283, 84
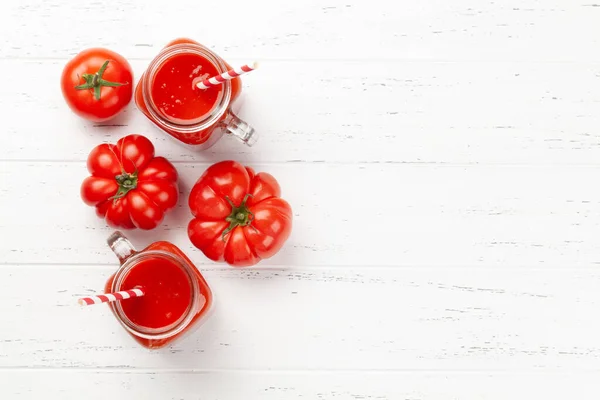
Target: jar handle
121, 246
240, 129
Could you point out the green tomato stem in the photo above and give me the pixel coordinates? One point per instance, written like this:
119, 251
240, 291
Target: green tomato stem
95, 81
240, 215
126, 183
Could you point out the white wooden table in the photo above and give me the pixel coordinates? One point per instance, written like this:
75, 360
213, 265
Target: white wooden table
443, 162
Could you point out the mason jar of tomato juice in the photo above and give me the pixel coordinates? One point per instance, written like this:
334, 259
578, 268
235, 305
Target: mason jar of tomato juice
176, 299
168, 96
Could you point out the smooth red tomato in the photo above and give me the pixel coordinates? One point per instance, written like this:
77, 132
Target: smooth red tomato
238, 214
129, 187
97, 84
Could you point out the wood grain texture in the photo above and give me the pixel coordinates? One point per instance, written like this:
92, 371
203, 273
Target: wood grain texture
301, 318
388, 214
161, 385
516, 30
349, 112
440, 158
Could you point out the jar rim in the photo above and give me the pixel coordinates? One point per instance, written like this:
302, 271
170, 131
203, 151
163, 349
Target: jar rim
169, 330
186, 48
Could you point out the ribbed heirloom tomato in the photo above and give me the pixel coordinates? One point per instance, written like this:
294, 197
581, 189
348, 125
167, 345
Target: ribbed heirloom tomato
239, 216
129, 187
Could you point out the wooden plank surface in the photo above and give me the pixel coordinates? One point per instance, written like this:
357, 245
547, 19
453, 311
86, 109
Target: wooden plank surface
161, 385
334, 319
440, 158
401, 112
344, 214
550, 30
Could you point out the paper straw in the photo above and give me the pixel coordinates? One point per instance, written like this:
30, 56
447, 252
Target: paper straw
108, 297
233, 73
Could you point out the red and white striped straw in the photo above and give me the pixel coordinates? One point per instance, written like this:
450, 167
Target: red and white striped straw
217, 80
108, 297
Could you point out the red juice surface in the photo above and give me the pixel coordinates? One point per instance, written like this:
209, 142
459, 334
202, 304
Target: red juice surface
174, 93
202, 138
167, 293
204, 294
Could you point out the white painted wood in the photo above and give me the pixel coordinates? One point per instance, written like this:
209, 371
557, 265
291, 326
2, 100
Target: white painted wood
334, 319
70, 384
550, 30
440, 157
387, 214
415, 112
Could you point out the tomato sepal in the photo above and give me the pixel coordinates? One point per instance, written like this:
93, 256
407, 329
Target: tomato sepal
126, 182
95, 81
240, 215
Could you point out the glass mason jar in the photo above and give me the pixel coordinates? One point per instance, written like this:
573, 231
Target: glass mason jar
198, 134
200, 296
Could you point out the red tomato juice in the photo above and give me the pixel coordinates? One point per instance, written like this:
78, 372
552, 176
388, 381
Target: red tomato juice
167, 293
175, 94
174, 97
